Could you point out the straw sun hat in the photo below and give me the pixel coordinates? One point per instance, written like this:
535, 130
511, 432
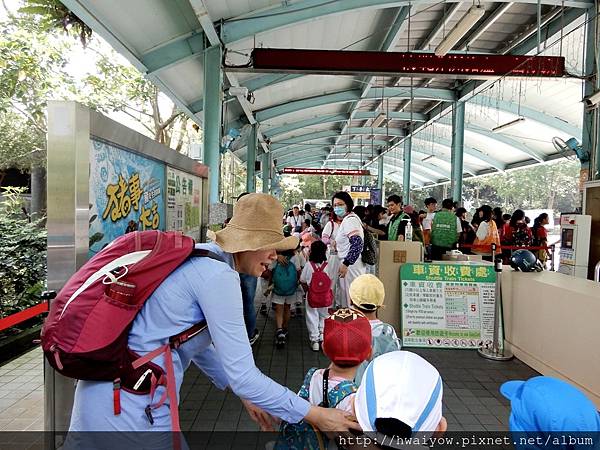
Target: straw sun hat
255, 225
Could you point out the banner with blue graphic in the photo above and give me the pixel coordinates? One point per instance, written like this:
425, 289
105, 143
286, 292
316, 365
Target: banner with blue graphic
127, 193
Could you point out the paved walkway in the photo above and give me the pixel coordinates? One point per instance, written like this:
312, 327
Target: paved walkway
472, 401
22, 393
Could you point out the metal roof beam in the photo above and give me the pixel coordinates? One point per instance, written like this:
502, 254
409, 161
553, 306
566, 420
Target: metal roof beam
352, 95
207, 25
335, 133
389, 42
488, 22
256, 83
441, 25
470, 151
502, 139
307, 10
319, 120
173, 53
531, 114
474, 87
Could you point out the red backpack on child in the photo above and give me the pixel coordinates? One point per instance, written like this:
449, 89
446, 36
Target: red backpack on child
86, 332
320, 294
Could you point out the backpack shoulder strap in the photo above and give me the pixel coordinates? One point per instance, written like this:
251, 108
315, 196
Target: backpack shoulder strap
340, 392
319, 269
200, 252
304, 391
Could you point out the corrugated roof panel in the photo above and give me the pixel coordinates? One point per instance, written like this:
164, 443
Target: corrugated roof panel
186, 78
156, 21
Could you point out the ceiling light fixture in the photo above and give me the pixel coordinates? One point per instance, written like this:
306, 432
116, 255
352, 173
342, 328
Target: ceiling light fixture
379, 120
508, 125
463, 26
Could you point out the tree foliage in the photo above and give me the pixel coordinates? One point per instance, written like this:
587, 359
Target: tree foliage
23, 250
52, 14
21, 145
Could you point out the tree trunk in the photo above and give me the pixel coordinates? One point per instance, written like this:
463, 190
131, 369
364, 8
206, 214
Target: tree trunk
38, 193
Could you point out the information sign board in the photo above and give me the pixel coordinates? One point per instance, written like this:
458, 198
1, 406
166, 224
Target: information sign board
183, 202
447, 305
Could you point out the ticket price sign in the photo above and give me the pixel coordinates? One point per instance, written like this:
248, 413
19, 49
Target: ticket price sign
447, 305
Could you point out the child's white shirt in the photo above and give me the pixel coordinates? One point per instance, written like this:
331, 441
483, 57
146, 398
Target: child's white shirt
315, 391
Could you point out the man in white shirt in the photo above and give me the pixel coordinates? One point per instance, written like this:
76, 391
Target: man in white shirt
296, 220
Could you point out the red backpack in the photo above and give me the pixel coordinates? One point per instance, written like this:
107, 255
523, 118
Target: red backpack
320, 294
86, 332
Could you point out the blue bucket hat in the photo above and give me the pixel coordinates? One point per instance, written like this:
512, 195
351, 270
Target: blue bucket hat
544, 405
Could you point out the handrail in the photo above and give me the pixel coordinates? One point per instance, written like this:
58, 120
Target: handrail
597, 272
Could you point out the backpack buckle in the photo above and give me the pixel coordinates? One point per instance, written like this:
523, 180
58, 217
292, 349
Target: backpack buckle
148, 412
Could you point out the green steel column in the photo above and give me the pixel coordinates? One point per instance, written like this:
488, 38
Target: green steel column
591, 134
266, 172
456, 157
380, 173
213, 80
406, 170
251, 159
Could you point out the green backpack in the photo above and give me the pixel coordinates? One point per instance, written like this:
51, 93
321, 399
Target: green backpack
303, 435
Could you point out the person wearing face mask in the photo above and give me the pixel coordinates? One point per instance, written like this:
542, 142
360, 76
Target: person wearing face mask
349, 244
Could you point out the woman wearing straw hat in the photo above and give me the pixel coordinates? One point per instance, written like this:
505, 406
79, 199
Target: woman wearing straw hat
207, 289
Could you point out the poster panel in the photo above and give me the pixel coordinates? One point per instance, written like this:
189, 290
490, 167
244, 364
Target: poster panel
447, 305
184, 194
375, 197
126, 194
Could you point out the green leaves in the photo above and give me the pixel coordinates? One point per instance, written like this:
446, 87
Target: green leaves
22, 256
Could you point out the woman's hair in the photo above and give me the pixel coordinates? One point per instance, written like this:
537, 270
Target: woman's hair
460, 211
487, 213
318, 252
307, 221
345, 197
290, 213
498, 217
519, 214
360, 211
288, 253
539, 219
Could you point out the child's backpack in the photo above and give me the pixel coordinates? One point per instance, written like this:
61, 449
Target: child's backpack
369, 253
382, 343
320, 293
85, 334
302, 435
285, 279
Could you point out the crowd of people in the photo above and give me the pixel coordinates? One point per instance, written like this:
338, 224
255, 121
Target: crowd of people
322, 257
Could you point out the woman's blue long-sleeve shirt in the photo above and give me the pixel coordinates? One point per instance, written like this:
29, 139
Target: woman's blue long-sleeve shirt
200, 289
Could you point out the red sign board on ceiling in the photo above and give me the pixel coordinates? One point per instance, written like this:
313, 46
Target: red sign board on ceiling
377, 63
309, 171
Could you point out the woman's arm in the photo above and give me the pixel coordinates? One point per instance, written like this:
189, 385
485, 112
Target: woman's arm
221, 304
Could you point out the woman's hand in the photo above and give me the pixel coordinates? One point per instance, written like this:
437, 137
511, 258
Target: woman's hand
265, 421
331, 419
343, 270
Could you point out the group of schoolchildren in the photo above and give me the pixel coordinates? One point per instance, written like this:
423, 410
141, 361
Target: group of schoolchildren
394, 393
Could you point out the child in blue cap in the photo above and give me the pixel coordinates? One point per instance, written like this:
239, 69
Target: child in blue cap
544, 408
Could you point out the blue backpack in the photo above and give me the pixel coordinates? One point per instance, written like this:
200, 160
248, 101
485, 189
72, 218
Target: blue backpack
382, 343
303, 435
285, 279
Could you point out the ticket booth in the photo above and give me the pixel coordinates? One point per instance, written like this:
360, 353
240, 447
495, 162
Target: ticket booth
391, 256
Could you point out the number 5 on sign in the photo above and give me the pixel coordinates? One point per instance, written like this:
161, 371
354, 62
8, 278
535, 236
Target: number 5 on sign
473, 307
